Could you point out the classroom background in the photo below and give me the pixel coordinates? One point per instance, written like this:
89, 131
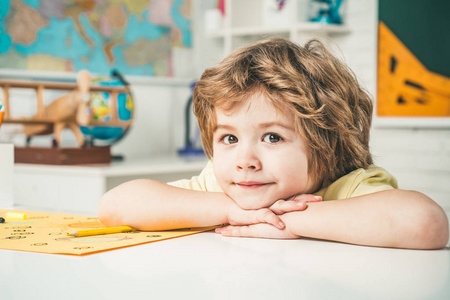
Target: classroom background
416, 150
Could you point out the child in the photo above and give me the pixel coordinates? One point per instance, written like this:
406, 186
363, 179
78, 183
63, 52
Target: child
284, 127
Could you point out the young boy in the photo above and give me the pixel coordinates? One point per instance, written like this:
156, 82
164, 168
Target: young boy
284, 127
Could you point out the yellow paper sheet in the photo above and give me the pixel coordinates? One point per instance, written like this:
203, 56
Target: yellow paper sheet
47, 233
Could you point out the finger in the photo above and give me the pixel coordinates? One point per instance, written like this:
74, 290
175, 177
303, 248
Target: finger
281, 206
265, 215
256, 230
243, 231
238, 231
219, 229
307, 198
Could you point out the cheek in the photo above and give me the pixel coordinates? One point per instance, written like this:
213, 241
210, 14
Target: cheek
222, 165
292, 161
292, 169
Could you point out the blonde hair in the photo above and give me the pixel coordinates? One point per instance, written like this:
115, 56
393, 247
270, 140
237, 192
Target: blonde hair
331, 110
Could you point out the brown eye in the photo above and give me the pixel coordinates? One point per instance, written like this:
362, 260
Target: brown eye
272, 138
230, 139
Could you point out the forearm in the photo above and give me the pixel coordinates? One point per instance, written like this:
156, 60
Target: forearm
151, 205
393, 218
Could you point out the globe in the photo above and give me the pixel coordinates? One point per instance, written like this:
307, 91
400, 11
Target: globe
100, 108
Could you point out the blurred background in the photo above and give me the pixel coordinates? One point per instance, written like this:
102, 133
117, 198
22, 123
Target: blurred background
397, 49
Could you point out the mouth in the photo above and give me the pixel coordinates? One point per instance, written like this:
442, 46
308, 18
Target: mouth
252, 184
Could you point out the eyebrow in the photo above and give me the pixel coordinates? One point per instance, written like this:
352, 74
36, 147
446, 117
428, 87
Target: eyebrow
262, 125
226, 127
277, 124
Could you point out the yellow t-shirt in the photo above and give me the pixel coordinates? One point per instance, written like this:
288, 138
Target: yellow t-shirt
357, 183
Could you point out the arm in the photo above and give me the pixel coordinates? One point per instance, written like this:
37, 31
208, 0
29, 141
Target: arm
151, 205
392, 218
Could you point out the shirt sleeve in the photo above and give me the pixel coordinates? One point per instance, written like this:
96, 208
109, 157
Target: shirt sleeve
359, 182
377, 179
205, 181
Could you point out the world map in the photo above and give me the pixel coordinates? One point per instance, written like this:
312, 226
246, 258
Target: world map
135, 37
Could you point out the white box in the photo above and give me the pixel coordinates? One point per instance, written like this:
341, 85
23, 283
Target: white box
6, 175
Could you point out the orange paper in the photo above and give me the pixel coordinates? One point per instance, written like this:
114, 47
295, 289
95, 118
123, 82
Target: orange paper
47, 233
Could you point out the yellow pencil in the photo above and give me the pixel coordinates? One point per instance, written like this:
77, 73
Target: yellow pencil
109, 230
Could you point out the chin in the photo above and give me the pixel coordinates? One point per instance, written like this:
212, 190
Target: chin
255, 204
249, 201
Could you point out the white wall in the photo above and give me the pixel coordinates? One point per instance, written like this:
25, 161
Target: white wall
418, 157
158, 127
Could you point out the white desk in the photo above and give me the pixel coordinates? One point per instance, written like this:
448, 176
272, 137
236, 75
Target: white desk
77, 189
208, 266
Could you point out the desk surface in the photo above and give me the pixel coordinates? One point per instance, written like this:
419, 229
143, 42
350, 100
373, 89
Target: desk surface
209, 266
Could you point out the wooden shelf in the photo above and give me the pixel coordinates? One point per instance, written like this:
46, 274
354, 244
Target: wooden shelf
70, 77
247, 21
79, 188
309, 27
314, 27
131, 167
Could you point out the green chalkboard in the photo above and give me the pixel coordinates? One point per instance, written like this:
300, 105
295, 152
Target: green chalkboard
424, 28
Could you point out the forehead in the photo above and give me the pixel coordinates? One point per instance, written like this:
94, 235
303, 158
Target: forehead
257, 104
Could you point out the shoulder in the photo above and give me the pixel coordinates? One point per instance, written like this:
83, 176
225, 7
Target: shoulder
359, 182
205, 181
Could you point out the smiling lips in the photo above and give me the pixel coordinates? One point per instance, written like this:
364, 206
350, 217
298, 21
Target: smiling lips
252, 184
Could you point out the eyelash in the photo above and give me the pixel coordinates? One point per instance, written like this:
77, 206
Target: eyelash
225, 138
279, 138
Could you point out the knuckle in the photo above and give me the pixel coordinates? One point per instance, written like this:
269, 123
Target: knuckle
300, 197
266, 214
279, 203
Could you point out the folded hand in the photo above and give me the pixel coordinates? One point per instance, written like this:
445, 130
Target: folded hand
265, 222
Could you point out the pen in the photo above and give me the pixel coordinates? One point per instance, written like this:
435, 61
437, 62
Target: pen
109, 230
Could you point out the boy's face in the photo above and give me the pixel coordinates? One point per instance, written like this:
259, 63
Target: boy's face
258, 156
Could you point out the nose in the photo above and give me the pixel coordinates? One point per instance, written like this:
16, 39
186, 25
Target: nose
248, 159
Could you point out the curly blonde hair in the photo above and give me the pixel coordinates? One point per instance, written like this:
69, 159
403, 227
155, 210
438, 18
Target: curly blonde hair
332, 111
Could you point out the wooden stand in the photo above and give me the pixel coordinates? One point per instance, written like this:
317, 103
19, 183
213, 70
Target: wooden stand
62, 156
